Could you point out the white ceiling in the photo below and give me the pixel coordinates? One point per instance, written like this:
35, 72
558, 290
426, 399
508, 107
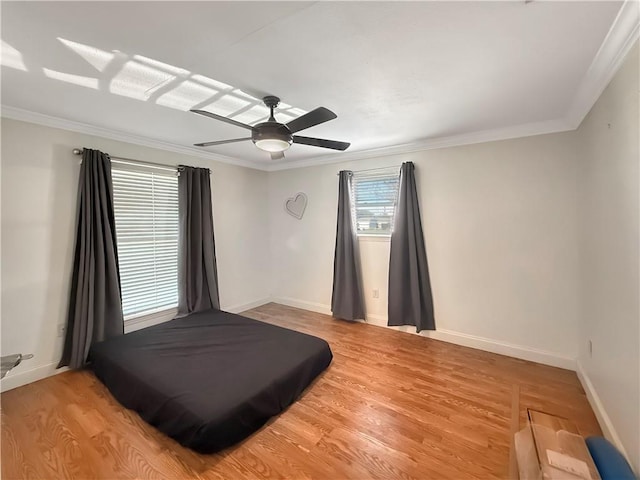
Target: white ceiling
394, 73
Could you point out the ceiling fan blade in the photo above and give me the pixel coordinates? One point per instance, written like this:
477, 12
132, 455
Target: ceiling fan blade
277, 155
222, 119
221, 142
308, 120
320, 142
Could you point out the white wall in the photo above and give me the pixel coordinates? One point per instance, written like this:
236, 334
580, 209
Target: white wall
610, 260
501, 232
39, 188
533, 244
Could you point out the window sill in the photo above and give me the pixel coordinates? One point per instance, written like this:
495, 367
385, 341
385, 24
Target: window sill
149, 319
374, 238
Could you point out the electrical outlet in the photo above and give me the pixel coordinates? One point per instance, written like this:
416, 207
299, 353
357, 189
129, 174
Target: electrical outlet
61, 329
590, 347
376, 293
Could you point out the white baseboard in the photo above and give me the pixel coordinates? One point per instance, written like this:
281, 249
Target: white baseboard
458, 338
374, 319
15, 379
604, 420
518, 351
503, 348
303, 304
246, 306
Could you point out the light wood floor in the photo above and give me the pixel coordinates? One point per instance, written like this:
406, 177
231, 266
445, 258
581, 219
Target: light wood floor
391, 405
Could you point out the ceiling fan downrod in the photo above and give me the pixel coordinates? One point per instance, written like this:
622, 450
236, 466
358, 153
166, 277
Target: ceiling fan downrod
272, 102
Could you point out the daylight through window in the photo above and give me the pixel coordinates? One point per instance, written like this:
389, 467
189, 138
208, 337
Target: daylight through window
146, 213
374, 199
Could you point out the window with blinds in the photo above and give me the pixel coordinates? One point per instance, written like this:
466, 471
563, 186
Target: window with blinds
374, 200
146, 213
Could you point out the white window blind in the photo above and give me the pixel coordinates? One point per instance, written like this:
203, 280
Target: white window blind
374, 199
146, 213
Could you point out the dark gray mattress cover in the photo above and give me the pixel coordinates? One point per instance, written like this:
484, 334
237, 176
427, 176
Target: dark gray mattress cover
212, 378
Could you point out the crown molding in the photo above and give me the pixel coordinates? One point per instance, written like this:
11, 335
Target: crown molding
64, 124
518, 131
483, 136
622, 36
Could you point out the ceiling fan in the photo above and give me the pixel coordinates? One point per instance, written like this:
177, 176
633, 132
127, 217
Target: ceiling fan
275, 137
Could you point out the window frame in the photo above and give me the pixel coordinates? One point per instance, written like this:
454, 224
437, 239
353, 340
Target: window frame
382, 174
158, 313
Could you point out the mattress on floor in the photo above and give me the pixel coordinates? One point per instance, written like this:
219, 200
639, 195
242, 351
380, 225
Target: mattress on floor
212, 378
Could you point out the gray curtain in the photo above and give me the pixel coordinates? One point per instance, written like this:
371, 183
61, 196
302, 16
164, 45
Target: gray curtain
346, 301
410, 300
197, 270
95, 304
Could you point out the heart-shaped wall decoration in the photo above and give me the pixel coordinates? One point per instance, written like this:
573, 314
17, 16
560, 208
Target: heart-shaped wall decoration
295, 206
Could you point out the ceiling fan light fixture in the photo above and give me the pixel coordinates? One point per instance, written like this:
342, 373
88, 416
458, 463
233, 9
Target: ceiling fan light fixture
272, 144
271, 137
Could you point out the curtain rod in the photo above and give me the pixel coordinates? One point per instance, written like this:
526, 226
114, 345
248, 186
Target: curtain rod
374, 169
176, 168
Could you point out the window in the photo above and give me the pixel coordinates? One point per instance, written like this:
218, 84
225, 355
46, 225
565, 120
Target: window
146, 213
374, 199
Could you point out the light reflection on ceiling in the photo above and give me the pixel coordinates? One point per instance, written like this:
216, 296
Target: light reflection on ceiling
149, 80
139, 81
186, 95
88, 82
11, 57
99, 59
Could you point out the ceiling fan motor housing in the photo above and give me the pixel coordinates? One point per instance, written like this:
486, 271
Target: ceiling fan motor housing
272, 136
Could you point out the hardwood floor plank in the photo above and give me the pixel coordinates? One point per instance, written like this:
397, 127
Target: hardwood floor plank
391, 405
17, 467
